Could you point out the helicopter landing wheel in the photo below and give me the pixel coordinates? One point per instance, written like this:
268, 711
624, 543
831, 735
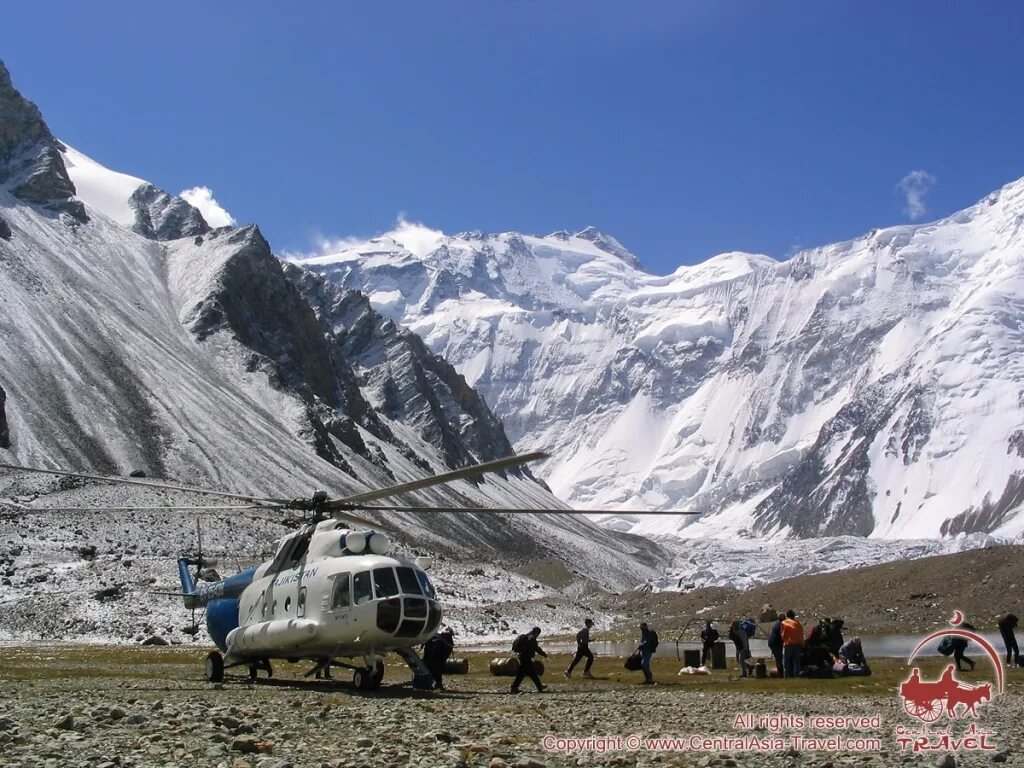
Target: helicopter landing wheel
361, 679
215, 667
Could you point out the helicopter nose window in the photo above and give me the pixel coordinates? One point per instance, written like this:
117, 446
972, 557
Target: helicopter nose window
409, 582
428, 588
384, 582
362, 590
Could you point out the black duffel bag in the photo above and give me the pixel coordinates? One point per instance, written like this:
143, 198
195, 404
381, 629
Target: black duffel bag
634, 662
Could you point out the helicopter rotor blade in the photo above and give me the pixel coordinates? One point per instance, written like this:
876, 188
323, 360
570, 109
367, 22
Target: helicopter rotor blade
200, 509
148, 484
528, 511
446, 477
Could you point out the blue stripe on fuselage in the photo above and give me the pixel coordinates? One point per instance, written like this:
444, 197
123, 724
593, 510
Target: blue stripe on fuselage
231, 587
221, 618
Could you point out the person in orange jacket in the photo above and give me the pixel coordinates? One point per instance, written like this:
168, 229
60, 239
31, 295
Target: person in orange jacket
792, 645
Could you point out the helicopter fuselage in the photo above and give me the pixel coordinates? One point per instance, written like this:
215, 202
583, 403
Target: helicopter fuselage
326, 594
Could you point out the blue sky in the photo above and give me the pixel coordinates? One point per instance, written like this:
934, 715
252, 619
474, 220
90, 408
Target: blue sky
682, 128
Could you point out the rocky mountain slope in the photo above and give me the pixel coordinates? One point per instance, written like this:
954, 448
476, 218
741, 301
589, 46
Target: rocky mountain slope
136, 337
872, 387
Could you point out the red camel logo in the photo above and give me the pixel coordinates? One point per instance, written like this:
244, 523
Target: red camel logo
928, 700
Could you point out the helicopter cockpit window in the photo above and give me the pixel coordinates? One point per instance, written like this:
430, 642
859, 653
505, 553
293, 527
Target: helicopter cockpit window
292, 550
342, 592
410, 584
362, 591
428, 588
384, 582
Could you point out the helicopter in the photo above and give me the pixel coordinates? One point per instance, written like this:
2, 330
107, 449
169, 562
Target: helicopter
333, 593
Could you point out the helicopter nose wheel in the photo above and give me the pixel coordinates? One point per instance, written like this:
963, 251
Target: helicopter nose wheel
369, 679
215, 667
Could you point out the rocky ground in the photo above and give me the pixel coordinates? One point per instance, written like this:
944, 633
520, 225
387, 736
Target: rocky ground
117, 707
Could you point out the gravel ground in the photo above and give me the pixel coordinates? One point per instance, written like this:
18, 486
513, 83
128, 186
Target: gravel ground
101, 708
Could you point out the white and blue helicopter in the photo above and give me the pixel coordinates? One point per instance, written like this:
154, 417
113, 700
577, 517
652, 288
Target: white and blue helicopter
333, 594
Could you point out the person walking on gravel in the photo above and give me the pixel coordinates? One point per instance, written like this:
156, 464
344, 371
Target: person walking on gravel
1006, 626
436, 652
583, 650
648, 645
960, 648
526, 648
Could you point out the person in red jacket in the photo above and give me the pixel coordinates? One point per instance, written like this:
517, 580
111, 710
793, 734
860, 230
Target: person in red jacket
792, 645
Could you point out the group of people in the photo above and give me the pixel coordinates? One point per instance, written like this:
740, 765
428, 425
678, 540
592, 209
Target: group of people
822, 649
526, 648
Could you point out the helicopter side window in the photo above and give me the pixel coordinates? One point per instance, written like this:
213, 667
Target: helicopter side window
410, 584
342, 591
362, 591
384, 582
428, 588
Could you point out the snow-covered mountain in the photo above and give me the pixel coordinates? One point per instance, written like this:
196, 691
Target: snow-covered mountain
137, 337
873, 387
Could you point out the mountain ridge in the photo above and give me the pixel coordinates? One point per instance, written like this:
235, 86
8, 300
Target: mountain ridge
821, 395
138, 338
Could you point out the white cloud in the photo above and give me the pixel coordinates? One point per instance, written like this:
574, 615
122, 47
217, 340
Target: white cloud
914, 186
203, 199
417, 238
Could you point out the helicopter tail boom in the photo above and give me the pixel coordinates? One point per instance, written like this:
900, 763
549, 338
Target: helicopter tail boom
188, 585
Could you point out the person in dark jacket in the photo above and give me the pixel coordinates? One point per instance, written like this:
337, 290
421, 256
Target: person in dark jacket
1006, 626
960, 646
526, 648
775, 642
648, 645
835, 637
583, 650
708, 637
436, 652
742, 642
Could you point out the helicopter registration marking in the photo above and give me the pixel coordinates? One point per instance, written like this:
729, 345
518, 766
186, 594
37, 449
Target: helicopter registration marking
296, 576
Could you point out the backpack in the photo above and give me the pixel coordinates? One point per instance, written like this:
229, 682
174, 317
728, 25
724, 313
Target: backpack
748, 626
519, 645
652, 640
946, 646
